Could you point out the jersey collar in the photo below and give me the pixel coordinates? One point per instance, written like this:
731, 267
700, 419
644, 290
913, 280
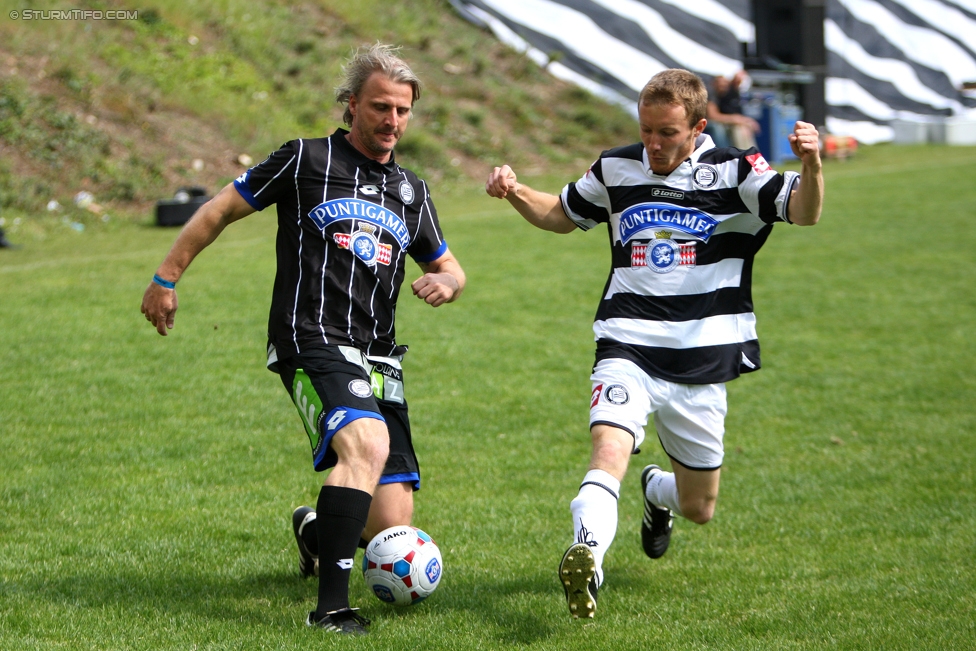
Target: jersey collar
361, 159
703, 143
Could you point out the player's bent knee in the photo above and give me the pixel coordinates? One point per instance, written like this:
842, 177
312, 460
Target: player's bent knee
612, 453
363, 441
377, 448
702, 517
699, 511
386, 518
376, 454
392, 506
612, 448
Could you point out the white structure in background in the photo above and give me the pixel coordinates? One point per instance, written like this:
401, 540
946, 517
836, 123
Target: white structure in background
902, 70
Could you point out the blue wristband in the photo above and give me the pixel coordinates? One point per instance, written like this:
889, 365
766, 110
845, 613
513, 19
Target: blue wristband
163, 283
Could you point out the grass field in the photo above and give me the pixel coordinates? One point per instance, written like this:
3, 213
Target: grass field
147, 483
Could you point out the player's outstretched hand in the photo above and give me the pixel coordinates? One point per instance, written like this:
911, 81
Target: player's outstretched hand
805, 143
159, 306
435, 288
501, 181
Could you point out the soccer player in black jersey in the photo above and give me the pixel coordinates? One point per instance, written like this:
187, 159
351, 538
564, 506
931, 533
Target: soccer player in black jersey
348, 218
676, 320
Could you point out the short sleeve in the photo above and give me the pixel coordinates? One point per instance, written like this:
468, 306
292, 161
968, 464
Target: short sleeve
263, 184
428, 243
586, 202
765, 192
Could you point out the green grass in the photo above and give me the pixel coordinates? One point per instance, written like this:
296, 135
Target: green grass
147, 483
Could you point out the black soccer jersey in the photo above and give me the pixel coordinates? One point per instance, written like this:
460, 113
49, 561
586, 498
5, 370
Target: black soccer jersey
678, 302
345, 225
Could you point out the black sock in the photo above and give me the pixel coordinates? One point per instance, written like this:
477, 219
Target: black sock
310, 536
341, 517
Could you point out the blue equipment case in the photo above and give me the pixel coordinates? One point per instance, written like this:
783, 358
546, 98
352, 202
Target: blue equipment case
776, 119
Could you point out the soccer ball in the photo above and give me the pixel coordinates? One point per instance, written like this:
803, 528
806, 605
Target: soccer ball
402, 565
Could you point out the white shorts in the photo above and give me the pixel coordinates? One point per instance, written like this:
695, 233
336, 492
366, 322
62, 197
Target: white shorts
690, 418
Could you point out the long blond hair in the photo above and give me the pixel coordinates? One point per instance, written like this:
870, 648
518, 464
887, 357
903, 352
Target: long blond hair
364, 62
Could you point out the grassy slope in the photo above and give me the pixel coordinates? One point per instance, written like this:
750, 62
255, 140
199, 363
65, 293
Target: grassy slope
147, 482
123, 108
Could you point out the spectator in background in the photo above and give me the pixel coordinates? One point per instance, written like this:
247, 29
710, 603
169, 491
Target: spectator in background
4, 242
726, 124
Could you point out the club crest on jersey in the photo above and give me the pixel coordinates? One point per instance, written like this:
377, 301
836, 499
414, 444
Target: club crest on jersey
335, 210
360, 388
616, 394
406, 192
364, 245
705, 176
649, 216
663, 255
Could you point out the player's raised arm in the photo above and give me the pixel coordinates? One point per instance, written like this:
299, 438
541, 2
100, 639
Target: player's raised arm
540, 209
442, 282
159, 302
806, 201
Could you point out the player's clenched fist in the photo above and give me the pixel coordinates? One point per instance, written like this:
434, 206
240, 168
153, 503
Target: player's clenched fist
435, 289
501, 181
805, 142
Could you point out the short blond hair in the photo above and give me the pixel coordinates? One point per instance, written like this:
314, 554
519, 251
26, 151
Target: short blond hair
364, 62
679, 87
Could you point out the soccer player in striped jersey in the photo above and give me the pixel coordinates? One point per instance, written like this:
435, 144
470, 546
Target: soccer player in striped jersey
676, 319
348, 218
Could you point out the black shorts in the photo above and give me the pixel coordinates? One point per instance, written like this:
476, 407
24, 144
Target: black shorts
335, 385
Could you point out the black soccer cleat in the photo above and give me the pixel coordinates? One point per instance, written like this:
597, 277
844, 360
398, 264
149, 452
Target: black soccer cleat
657, 522
345, 620
308, 562
577, 574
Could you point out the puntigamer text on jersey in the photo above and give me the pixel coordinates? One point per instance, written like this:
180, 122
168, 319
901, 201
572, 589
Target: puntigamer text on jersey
338, 209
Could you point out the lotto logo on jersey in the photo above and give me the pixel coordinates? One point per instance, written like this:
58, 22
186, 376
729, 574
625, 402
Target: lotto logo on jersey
759, 164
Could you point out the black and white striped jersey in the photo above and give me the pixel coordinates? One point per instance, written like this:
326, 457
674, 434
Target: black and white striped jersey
678, 302
345, 225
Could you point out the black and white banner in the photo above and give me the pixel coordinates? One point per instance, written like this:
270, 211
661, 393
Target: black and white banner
887, 59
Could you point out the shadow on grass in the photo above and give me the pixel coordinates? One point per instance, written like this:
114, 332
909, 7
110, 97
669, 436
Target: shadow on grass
506, 610
515, 609
529, 609
254, 599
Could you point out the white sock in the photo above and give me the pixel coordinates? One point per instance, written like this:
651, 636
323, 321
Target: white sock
662, 490
595, 515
